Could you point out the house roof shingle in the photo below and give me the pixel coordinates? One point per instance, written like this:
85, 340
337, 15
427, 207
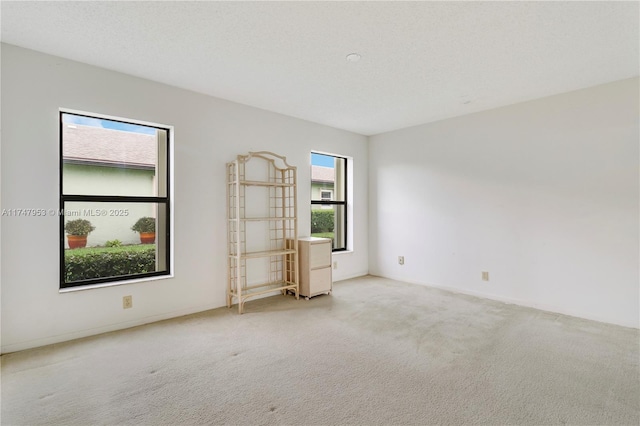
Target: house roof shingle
108, 146
322, 174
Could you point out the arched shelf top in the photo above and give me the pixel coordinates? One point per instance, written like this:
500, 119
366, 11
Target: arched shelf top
275, 159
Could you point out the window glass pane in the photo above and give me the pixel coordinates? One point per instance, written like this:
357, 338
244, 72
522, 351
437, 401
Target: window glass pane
328, 221
111, 247
105, 157
328, 174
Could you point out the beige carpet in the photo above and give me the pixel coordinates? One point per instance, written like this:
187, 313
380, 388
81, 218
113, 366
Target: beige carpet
376, 352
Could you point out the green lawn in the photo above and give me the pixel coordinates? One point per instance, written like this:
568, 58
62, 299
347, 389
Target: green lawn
323, 235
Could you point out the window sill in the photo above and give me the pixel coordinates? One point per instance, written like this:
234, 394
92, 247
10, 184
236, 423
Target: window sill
112, 284
342, 252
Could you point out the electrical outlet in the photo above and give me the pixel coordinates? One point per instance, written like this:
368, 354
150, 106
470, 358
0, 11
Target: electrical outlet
485, 276
335, 264
401, 260
127, 302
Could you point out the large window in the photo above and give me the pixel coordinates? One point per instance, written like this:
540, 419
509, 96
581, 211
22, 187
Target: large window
114, 200
329, 198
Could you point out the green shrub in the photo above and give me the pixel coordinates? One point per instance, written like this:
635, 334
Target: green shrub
79, 227
113, 243
144, 224
322, 221
109, 262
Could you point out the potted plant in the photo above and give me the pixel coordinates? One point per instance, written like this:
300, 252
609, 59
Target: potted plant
146, 226
77, 231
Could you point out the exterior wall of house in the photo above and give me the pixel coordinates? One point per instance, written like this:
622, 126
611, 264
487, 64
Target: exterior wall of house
100, 180
317, 187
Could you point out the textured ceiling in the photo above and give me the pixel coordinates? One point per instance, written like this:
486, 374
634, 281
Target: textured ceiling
421, 61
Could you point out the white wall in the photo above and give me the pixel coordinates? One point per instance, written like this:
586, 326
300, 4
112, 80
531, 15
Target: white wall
208, 133
543, 195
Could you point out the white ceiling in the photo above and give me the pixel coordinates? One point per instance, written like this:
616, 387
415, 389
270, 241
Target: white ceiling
421, 61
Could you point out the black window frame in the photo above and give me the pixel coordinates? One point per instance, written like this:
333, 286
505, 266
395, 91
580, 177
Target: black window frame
165, 200
338, 203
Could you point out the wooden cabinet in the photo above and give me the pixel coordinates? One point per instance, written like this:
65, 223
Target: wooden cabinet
315, 266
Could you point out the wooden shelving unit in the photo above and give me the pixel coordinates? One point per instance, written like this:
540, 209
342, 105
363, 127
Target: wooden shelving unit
262, 227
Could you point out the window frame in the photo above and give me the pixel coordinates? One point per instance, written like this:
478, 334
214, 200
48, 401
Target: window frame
159, 200
332, 203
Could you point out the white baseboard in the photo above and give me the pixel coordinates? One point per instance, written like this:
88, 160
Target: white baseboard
520, 302
29, 344
351, 276
19, 346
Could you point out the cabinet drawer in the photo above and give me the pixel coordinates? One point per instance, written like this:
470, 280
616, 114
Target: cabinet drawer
320, 280
320, 255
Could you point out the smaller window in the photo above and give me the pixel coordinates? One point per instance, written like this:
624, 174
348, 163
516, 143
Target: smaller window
329, 199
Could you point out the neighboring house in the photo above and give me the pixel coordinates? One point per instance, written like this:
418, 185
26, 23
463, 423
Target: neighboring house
322, 183
101, 161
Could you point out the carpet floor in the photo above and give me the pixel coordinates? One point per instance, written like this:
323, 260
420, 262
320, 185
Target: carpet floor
376, 352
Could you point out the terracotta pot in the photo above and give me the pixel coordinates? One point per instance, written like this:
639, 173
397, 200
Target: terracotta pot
147, 237
77, 241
